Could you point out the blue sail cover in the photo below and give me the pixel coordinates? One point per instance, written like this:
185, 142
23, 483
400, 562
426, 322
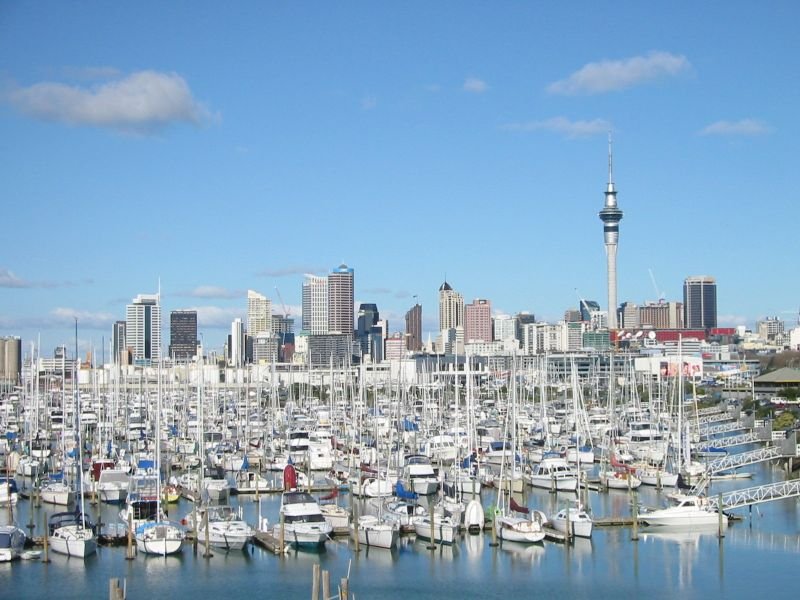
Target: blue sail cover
408, 425
401, 492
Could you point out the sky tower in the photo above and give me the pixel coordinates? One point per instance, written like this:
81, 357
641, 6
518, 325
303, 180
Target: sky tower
611, 215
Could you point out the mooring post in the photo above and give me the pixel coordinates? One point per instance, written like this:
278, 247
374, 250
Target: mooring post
635, 535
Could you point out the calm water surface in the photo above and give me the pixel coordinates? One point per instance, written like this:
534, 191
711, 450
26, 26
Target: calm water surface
759, 553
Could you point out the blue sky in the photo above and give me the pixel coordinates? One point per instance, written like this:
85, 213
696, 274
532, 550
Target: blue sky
227, 146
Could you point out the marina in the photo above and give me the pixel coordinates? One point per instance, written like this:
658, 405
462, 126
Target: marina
222, 432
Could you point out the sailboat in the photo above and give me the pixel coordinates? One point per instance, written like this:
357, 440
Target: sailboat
158, 536
73, 538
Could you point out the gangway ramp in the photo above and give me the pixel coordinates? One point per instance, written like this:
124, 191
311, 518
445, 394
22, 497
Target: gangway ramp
757, 495
730, 441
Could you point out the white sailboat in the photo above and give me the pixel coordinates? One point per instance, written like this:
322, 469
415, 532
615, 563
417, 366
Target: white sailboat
158, 536
74, 538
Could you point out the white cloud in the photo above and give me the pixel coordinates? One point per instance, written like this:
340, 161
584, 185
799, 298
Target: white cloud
732, 320
9, 280
86, 319
741, 127
475, 85
217, 317
613, 75
562, 125
143, 102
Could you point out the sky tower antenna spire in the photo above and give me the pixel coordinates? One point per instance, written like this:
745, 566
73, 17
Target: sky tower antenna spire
610, 160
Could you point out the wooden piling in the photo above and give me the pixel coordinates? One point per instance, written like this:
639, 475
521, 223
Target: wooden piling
129, 555
115, 590
326, 584
635, 533
283, 534
315, 581
45, 535
720, 518
432, 545
207, 554
344, 589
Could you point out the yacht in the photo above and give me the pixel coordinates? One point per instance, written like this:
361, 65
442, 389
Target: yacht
12, 541
554, 474
574, 519
303, 522
684, 510
418, 475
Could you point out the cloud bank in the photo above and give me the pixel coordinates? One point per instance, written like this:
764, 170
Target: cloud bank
143, 102
564, 126
613, 75
746, 127
474, 85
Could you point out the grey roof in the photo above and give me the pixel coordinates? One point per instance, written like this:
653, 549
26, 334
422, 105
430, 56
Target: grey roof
445, 287
784, 375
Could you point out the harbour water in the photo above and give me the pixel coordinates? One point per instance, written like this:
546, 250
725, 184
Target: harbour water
760, 552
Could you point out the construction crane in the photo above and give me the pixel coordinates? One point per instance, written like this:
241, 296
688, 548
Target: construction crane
659, 295
285, 323
285, 310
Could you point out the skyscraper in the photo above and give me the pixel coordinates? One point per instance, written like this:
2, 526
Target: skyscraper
119, 343
478, 321
143, 328
340, 301
414, 328
368, 317
451, 308
315, 305
700, 302
611, 215
237, 344
259, 313
182, 334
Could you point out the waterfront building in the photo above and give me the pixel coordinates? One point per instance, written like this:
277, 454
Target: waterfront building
611, 215
182, 334
259, 313
143, 328
700, 302
571, 315
119, 344
331, 349
10, 359
414, 328
478, 321
315, 305
341, 301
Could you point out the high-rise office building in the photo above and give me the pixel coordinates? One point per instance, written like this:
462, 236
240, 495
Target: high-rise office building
368, 317
315, 305
478, 321
259, 313
119, 343
504, 328
611, 215
143, 328
700, 302
182, 334
237, 344
451, 308
414, 328
340, 301
661, 315
588, 308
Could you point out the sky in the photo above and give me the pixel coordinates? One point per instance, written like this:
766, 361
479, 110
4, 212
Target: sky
220, 147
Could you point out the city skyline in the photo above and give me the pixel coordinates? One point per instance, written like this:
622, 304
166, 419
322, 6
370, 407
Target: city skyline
453, 144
